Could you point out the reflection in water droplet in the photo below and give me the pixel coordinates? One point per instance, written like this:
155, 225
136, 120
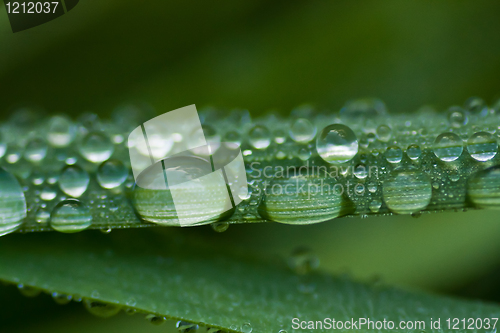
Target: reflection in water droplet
303, 199
448, 147
74, 180
302, 131
259, 137
414, 152
407, 190
70, 216
337, 144
101, 309
186, 327
35, 150
111, 174
61, 131
96, 147
12, 203
394, 154
483, 188
482, 146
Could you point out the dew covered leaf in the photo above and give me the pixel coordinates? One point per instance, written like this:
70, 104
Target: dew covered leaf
205, 284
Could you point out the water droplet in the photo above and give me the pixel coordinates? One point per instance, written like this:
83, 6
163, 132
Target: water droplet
476, 105
448, 147
482, 146
70, 216
365, 108
233, 136
303, 261
414, 152
246, 328
304, 154
407, 190
279, 136
35, 150
337, 144
384, 133
186, 327
96, 147
394, 154
74, 180
220, 226
111, 174
457, 117
483, 188
259, 137
360, 171
106, 230
454, 176
12, 203
302, 199
372, 187
61, 131
101, 309
302, 131
375, 205
42, 216
28, 291
61, 298
48, 193
156, 320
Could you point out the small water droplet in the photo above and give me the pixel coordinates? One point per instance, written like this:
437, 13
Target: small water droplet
302, 131
337, 144
35, 150
448, 147
360, 171
246, 328
156, 320
61, 131
12, 203
186, 327
220, 226
28, 291
394, 154
42, 216
70, 216
375, 205
457, 117
111, 174
259, 137
101, 309
61, 298
48, 193
482, 146
414, 152
304, 153
96, 147
384, 133
74, 180
407, 190
476, 105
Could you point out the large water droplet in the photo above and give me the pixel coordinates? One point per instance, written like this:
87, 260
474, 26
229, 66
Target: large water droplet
70, 216
101, 309
74, 181
482, 146
259, 137
302, 131
337, 144
35, 150
407, 190
61, 131
302, 199
111, 174
96, 147
448, 147
483, 188
12, 203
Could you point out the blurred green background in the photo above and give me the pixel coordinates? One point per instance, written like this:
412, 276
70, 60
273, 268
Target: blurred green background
263, 56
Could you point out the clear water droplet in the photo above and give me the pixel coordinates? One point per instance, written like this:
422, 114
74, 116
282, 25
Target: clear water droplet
337, 144
48, 193
279, 136
70, 216
482, 146
111, 174
375, 205
476, 105
96, 147
220, 226
186, 327
74, 180
302, 131
407, 190
457, 117
233, 136
100, 309
35, 150
394, 154
156, 320
61, 131
360, 171
304, 153
414, 152
12, 203
448, 147
483, 188
42, 216
384, 133
246, 328
259, 137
